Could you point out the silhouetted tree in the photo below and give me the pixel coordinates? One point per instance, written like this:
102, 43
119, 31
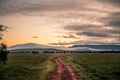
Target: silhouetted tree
3, 47
3, 53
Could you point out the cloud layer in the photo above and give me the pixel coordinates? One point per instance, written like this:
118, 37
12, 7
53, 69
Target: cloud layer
83, 21
22, 6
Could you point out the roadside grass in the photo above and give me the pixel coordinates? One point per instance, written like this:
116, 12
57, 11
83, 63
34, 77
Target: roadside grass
27, 67
38, 66
95, 66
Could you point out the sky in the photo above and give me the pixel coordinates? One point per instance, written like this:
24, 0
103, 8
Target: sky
61, 22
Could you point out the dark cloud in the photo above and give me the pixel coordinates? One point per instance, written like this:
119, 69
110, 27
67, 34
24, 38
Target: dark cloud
84, 42
23, 6
94, 31
35, 37
60, 43
117, 14
29, 6
80, 27
69, 36
113, 20
88, 42
115, 31
115, 23
94, 42
112, 2
94, 34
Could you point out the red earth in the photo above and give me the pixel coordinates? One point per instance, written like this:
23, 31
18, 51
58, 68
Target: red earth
63, 72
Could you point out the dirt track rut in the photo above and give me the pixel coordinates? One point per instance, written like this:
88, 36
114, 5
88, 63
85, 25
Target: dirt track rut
63, 72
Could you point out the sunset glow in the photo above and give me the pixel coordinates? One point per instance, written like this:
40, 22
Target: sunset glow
61, 22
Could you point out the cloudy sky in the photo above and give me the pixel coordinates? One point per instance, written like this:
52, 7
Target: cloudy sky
61, 22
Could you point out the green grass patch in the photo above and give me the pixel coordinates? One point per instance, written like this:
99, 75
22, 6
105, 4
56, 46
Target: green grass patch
95, 66
27, 67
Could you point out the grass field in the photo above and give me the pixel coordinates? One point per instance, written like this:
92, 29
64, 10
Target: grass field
26, 67
38, 66
95, 66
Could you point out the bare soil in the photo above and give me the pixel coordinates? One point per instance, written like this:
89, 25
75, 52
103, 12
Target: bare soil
63, 72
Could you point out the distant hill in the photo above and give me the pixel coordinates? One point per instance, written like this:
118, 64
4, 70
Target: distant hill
33, 47
40, 47
97, 47
28, 46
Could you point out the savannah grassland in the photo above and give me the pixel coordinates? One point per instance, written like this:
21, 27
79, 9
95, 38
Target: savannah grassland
95, 66
38, 66
27, 67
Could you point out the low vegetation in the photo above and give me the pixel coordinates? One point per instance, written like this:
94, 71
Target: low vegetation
27, 67
38, 66
95, 66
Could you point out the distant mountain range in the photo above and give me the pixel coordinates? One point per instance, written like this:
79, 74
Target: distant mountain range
34, 46
31, 47
27, 46
97, 47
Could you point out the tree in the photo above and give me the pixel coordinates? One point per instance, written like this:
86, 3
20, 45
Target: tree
2, 29
3, 53
3, 47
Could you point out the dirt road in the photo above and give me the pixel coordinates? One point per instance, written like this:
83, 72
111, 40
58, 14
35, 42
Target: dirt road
63, 72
